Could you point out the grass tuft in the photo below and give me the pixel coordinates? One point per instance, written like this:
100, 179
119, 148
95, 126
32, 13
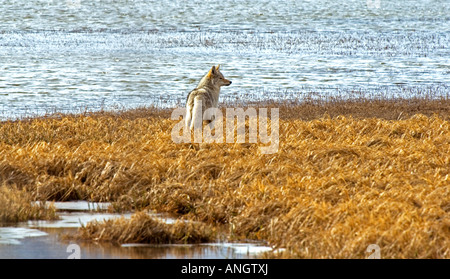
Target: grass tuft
142, 228
16, 206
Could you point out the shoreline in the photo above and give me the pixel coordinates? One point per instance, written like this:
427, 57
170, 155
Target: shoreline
306, 110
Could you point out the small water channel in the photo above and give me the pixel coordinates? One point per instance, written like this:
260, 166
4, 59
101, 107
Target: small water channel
42, 239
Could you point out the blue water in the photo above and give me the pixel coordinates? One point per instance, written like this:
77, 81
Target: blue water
78, 55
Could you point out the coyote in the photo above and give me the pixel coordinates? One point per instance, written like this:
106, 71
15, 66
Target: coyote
205, 96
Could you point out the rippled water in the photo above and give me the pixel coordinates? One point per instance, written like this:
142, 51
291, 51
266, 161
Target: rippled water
75, 55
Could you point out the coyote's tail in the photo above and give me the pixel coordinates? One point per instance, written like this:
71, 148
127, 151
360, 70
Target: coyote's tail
188, 117
194, 114
197, 115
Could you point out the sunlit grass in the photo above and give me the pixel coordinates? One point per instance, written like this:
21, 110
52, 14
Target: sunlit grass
142, 228
339, 182
16, 206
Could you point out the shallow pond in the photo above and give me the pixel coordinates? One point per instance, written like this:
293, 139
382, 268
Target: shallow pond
42, 239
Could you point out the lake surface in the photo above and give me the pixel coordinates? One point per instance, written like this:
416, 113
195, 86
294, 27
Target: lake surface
77, 55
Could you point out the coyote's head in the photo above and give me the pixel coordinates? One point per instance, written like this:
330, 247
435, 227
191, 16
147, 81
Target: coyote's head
216, 77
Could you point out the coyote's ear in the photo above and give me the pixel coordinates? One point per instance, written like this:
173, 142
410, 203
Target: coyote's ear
212, 71
218, 66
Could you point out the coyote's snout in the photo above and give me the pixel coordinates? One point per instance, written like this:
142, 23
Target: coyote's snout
205, 96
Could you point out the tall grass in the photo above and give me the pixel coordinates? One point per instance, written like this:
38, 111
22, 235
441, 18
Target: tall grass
337, 184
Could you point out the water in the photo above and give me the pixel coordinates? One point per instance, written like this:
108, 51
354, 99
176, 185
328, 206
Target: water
79, 55
43, 239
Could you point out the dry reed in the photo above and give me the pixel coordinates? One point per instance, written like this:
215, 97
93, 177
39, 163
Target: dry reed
16, 206
142, 228
336, 185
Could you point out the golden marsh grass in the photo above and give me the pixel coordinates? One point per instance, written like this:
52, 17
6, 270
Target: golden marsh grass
142, 228
16, 206
338, 183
